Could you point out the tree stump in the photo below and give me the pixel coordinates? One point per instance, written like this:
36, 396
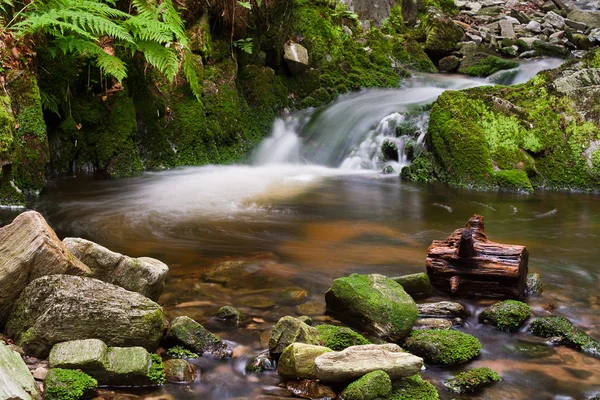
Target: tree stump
468, 264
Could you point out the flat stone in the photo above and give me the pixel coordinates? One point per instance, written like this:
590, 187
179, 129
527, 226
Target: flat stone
143, 275
356, 361
86, 355
432, 323
444, 309
506, 29
580, 26
16, 382
298, 361
555, 20
125, 366
30, 249
296, 57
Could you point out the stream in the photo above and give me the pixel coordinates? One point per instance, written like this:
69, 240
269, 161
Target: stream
313, 206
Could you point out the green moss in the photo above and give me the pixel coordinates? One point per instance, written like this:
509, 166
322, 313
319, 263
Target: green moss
514, 181
441, 34
592, 59
486, 66
421, 169
507, 315
181, 352
374, 385
65, 384
472, 380
339, 337
568, 333
156, 373
413, 388
445, 347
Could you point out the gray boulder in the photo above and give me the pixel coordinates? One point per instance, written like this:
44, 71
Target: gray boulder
555, 20
180, 371
356, 361
290, 330
16, 382
59, 308
186, 332
590, 18
88, 355
373, 303
29, 249
296, 57
143, 275
298, 361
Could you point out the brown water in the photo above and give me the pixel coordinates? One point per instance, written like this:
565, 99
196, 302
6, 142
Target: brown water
307, 226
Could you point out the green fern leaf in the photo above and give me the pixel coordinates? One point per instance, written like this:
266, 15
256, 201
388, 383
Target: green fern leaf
162, 58
190, 72
112, 65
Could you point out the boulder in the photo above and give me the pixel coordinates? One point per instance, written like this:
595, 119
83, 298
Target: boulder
298, 361
309, 389
230, 315
508, 315
372, 386
87, 355
433, 323
414, 387
143, 275
356, 361
66, 384
555, 20
483, 64
16, 382
29, 249
472, 380
449, 64
59, 308
339, 337
506, 29
443, 309
373, 303
590, 18
290, 330
180, 371
566, 333
443, 347
414, 284
442, 34
296, 57
193, 336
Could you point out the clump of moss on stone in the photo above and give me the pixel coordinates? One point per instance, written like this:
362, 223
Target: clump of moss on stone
485, 66
514, 181
66, 384
156, 373
507, 315
413, 388
472, 380
569, 334
374, 385
445, 347
339, 337
181, 352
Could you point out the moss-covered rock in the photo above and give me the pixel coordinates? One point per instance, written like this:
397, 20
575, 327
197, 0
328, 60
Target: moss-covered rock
339, 337
179, 371
445, 347
535, 284
508, 315
298, 361
374, 303
442, 34
472, 380
65, 384
374, 385
413, 388
10, 156
514, 181
484, 64
290, 330
566, 332
193, 336
414, 284
230, 315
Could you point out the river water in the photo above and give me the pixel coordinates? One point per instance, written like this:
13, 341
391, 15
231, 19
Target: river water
312, 207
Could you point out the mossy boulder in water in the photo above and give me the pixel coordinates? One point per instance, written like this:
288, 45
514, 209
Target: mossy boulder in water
374, 303
414, 284
444, 347
442, 34
230, 315
374, 385
193, 336
298, 361
567, 333
484, 64
413, 388
508, 315
65, 384
179, 371
472, 380
339, 337
290, 330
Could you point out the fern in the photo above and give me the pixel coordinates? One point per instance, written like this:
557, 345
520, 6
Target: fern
5, 5
162, 58
189, 70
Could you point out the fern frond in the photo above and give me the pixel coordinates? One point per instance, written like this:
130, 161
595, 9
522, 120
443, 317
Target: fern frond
190, 72
145, 9
146, 29
162, 58
173, 21
112, 65
5, 4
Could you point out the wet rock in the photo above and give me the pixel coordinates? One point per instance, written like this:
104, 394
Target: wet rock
260, 363
432, 323
66, 384
190, 334
414, 284
292, 296
339, 337
449, 64
311, 308
589, 18
298, 361
526, 349
180, 371
289, 330
472, 380
16, 381
308, 389
535, 285
373, 303
230, 315
143, 275
582, 42
372, 386
390, 150
566, 333
550, 50
30, 249
276, 391
442, 309
443, 347
87, 355
356, 361
59, 308
296, 57
508, 315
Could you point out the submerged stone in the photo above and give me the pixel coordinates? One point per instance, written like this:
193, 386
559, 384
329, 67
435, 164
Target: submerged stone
373, 303
508, 315
190, 334
568, 334
179, 371
444, 347
310, 389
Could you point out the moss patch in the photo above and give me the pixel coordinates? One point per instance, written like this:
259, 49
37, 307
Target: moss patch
66, 384
507, 315
413, 388
339, 337
445, 347
374, 385
156, 373
568, 333
472, 380
481, 64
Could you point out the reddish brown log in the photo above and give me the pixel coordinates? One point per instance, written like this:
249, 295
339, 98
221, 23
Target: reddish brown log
469, 264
